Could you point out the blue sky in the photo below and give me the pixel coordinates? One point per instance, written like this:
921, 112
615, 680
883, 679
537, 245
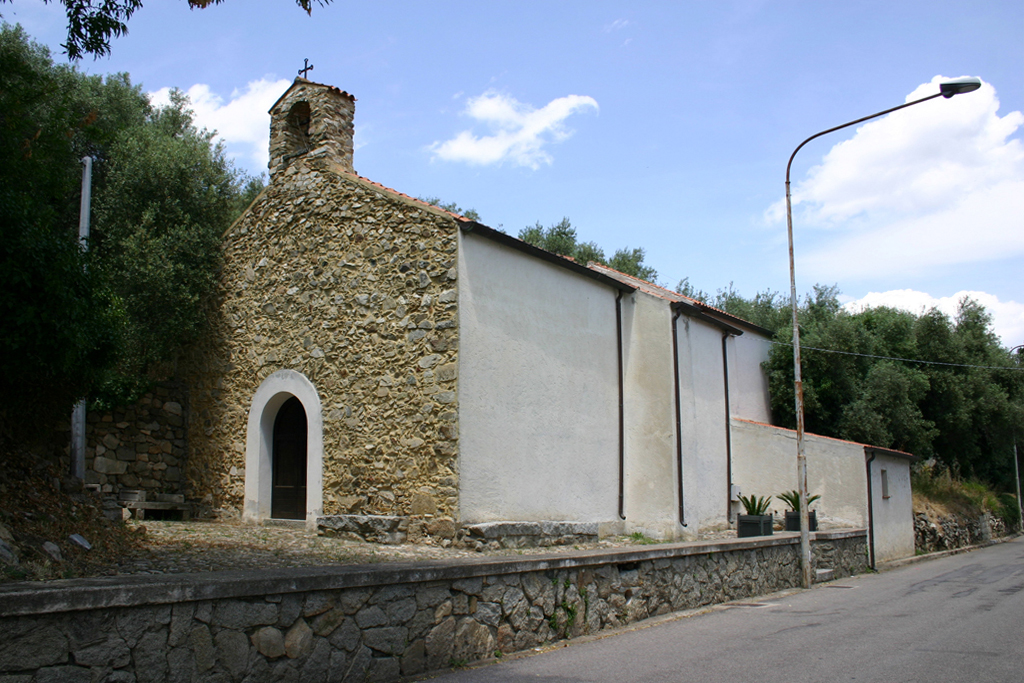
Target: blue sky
665, 125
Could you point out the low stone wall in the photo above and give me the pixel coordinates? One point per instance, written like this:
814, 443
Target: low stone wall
375, 622
139, 447
955, 531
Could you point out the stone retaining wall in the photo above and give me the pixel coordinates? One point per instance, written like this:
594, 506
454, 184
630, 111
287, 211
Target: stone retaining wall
377, 622
139, 447
955, 531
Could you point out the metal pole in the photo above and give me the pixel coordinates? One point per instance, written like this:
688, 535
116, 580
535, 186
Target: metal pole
798, 390
798, 387
79, 413
1016, 477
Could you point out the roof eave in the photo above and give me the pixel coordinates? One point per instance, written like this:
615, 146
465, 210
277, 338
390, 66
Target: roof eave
525, 247
877, 450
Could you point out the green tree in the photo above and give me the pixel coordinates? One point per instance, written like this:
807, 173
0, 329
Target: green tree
686, 289
631, 262
961, 407
60, 322
75, 323
167, 197
91, 24
561, 238
452, 207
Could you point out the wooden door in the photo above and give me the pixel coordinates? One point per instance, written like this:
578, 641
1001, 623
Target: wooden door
288, 499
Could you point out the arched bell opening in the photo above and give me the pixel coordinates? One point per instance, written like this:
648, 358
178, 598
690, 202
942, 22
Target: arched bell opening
298, 122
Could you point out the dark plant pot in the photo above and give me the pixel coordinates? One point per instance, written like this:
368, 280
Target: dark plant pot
793, 520
754, 525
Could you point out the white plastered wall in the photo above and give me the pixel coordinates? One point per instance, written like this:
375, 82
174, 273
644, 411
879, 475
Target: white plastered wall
764, 464
893, 516
651, 490
703, 424
748, 383
272, 393
538, 389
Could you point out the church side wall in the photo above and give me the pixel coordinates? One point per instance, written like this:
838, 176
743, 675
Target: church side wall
652, 498
702, 405
748, 382
353, 287
538, 389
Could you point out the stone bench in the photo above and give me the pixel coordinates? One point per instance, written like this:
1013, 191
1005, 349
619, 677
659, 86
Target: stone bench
137, 502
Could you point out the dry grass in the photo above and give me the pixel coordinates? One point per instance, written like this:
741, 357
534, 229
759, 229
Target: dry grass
938, 493
35, 507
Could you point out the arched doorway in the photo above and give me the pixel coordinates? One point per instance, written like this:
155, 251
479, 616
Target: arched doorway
267, 408
288, 492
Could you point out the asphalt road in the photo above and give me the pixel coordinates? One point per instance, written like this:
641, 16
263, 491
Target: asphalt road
956, 618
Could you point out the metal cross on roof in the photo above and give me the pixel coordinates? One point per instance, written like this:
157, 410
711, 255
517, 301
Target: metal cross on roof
306, 69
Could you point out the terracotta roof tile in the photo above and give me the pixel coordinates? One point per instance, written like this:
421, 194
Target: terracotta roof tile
389, 190
819, 436
661, 292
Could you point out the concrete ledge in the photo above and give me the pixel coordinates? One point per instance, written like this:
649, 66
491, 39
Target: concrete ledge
125, 591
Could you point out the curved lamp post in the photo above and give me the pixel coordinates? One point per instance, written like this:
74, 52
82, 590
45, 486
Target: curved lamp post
947, 90
1016, 465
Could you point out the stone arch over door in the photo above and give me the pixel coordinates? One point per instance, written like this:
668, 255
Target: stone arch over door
271, 395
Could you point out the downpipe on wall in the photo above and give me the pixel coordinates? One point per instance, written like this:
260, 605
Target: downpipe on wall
871, 515
728, 428
679, 417
622, 420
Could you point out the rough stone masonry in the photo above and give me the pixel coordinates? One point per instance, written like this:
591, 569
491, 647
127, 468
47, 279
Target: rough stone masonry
374, 623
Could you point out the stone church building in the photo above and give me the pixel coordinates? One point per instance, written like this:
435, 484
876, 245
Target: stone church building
374, 355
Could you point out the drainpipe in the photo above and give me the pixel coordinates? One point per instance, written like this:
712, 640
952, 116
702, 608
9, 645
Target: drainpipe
679, 417
871, 515
622, 420
692, 311
728, 429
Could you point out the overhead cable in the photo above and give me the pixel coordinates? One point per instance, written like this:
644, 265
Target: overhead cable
906, 360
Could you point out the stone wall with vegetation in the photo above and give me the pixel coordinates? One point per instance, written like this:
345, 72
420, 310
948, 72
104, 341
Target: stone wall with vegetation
139, 447
933, 533
375, 623
354, 286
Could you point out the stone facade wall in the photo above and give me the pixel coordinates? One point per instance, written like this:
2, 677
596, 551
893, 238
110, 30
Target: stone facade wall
141, 446
354, 286
373, 623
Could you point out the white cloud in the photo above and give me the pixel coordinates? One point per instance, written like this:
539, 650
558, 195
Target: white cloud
520, 132
933, 185
242, 122
1007, 316
617, 25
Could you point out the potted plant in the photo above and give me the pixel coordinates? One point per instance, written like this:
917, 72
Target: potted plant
792, 499
757, 521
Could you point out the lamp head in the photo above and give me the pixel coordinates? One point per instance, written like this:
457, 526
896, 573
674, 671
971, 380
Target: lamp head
958, 86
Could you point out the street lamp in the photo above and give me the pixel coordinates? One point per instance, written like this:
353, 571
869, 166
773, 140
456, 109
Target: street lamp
947, 90
1016, 461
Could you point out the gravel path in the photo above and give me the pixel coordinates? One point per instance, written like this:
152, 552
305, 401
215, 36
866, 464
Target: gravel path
198, 546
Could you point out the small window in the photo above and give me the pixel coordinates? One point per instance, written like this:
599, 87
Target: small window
885, 484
